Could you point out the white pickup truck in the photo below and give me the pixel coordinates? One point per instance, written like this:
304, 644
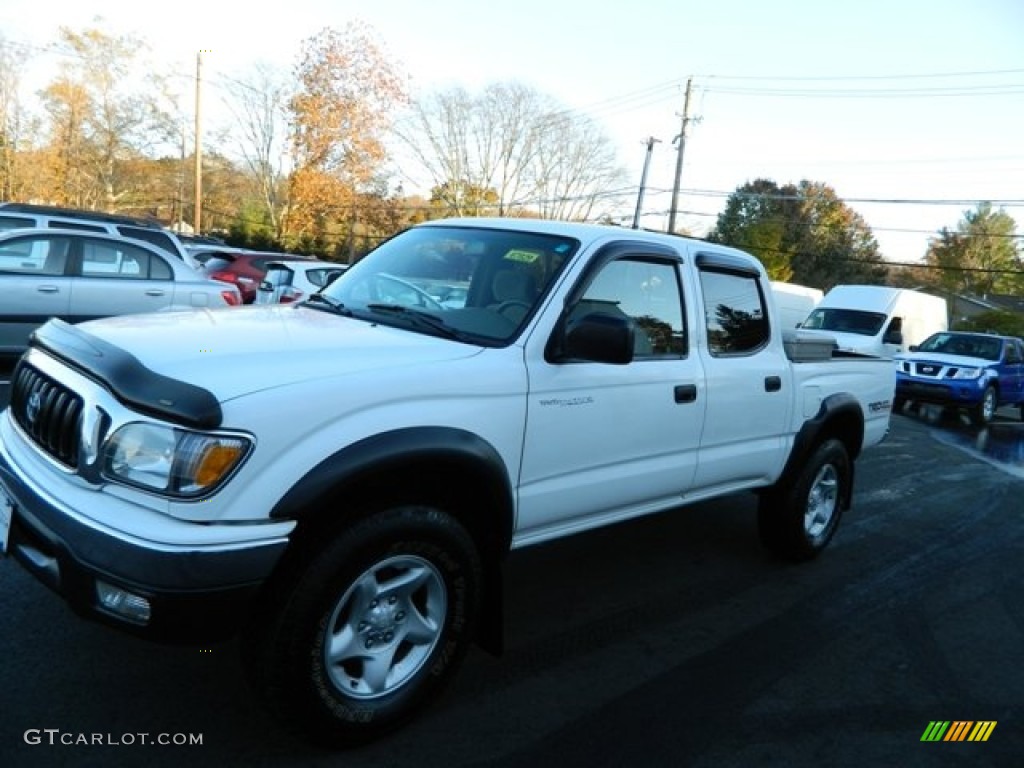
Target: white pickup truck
338, 482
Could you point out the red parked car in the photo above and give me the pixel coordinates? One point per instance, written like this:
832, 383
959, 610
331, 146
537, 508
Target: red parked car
241, 267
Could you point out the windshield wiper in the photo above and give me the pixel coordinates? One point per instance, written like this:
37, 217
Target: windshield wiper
317, 299
423, 319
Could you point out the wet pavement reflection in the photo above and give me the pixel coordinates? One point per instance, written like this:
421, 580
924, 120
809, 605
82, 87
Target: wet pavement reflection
1001, 442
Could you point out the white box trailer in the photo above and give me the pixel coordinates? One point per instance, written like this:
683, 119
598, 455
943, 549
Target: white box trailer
794, 302
876, 319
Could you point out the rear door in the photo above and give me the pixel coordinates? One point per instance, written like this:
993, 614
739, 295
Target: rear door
748, 379
117, 277
33, 287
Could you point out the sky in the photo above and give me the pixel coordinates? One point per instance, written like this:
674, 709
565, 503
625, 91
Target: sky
911, 110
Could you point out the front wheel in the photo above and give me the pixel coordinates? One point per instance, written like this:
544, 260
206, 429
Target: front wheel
797, 519
985, 410
370, 629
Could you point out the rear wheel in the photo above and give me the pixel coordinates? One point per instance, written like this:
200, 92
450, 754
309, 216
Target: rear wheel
798, 519
367, 633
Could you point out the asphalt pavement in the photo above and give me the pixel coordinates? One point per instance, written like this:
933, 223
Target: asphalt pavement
668, 641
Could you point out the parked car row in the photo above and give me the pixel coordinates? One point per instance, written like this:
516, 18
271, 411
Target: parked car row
79, 265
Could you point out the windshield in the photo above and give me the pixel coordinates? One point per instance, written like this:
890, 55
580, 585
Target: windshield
966, 345
482, 285
845, 321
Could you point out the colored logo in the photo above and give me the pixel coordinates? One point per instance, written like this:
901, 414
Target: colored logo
958, 730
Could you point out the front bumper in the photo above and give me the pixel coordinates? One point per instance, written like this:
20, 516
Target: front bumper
197, 593
962, 393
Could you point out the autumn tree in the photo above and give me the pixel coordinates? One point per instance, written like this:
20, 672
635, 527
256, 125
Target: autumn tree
99, 123
802, 233
15, 125
510, 150
981, 256
339, 115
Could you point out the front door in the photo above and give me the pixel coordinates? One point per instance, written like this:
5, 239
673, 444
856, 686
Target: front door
33, 288
605, 441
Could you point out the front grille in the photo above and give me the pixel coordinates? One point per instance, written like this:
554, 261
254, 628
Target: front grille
928, 369
49, 412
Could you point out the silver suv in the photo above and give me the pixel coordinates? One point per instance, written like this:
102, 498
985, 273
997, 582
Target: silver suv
29, 215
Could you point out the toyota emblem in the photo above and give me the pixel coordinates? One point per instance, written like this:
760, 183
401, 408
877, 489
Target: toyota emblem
35, 403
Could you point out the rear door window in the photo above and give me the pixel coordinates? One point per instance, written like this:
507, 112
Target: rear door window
156, 237
121, 261
735, 312
321, 277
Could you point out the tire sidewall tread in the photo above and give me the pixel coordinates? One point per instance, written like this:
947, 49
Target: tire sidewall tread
285, 660
781, 510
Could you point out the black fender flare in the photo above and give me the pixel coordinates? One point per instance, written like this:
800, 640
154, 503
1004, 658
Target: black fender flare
412, 463
840, 416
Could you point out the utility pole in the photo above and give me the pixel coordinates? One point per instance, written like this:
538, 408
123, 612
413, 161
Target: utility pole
179, 213
643, 181
196, 218
681, 138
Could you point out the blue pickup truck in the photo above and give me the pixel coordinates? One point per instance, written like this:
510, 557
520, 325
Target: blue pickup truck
977, 372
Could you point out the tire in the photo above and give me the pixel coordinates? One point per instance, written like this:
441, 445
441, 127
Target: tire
797, 520
368, 630
983, 413
898, 403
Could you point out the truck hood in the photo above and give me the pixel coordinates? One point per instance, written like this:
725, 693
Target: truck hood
238, 350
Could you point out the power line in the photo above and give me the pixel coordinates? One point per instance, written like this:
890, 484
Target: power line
1012, 203
828, 78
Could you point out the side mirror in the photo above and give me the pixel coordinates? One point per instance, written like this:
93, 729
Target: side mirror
599, 338
892, 337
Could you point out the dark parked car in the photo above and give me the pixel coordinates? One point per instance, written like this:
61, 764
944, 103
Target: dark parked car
978, 372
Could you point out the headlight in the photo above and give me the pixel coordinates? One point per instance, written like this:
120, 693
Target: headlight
172, 461
966, 373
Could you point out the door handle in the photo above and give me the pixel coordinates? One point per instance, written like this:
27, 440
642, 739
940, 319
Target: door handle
47, 289
685, 393
772, 383
154, 292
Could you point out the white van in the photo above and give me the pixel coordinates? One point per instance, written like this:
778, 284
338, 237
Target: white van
794, 302
876, 319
